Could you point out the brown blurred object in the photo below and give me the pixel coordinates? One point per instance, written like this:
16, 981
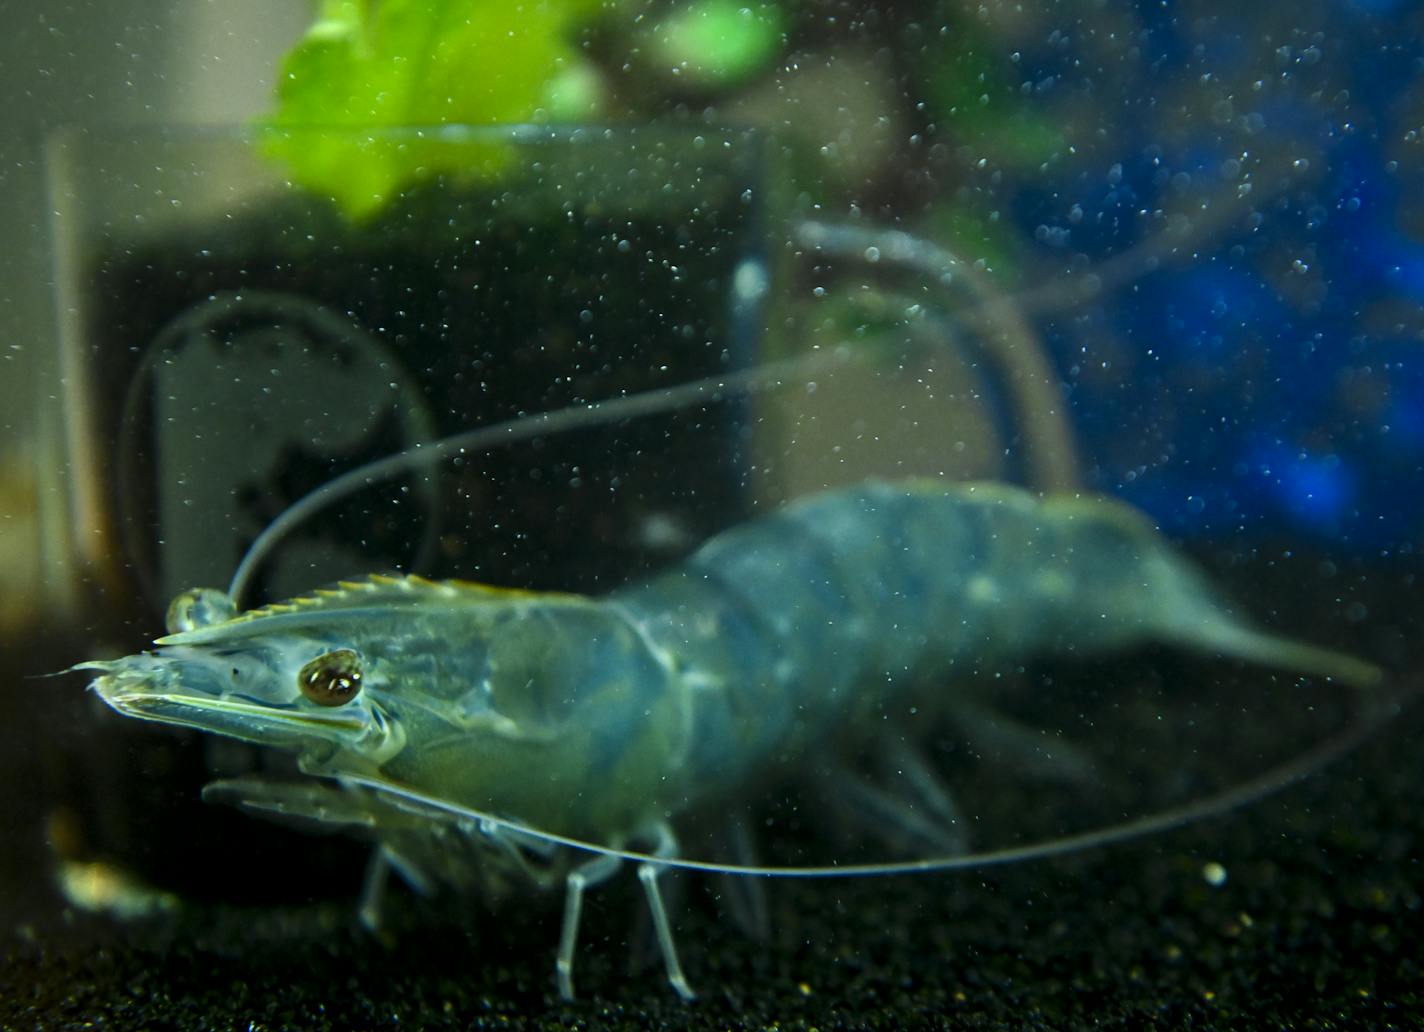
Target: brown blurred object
927, 417
21, 580
841, 106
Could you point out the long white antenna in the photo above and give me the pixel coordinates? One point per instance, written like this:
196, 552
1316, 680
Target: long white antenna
522, 428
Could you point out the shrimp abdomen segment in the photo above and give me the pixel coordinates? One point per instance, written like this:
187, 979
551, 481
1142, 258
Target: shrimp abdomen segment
784, 627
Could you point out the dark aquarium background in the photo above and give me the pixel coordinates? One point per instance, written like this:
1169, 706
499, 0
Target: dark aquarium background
1171, 253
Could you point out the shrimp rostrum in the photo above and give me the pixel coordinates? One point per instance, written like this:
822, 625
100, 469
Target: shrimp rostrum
476, 732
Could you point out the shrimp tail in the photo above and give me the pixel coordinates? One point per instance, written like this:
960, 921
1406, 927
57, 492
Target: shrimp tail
1211, 630
1128, 572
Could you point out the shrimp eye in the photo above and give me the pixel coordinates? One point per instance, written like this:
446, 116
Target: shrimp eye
332, 679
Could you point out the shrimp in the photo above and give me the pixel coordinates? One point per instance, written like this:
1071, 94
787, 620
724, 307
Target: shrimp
480, 734
485, 737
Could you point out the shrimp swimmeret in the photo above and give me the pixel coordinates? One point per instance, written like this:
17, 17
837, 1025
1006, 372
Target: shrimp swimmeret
474, 731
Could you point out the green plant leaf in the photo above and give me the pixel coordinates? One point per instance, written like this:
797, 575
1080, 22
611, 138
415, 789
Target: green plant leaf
720, 42
369, 64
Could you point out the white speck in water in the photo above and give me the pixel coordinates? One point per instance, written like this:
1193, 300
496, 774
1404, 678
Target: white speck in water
1214, 874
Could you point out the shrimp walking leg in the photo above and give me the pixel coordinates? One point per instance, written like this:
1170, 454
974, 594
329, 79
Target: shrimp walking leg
648, 874
745, 897
1022, 747
889, 816
928, 790
373, 889
594, 872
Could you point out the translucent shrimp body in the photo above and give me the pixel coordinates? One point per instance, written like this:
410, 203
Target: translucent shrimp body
470, 729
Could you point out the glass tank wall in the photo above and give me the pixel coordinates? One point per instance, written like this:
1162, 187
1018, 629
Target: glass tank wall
978, 442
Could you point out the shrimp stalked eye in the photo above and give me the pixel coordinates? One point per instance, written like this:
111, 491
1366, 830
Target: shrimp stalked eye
332, 679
